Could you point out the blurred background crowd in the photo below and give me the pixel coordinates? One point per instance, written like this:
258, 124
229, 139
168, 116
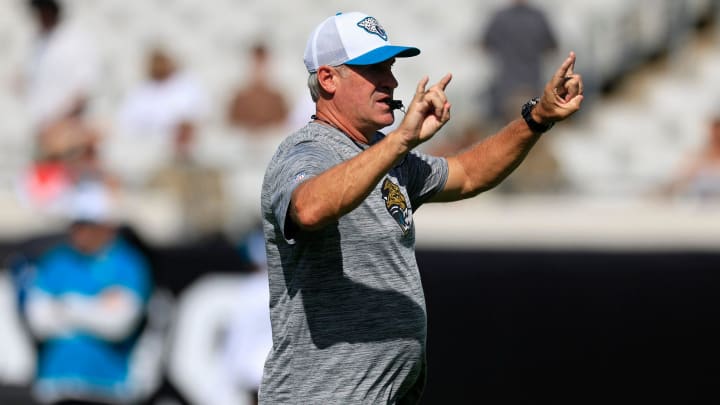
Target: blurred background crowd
137, 133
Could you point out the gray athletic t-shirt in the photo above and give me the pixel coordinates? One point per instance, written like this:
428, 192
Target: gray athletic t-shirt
346, 302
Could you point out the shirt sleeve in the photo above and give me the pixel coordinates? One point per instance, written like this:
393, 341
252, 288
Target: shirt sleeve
490, 37
303, 161
49, 276
45, 315
428, 175
136, 272
115, 311
546, 36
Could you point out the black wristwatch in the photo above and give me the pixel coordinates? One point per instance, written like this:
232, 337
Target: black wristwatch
535, 126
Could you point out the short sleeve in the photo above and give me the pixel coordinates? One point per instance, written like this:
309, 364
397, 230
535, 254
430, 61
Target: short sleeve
428, 176
303, 161
48, 275
136, 271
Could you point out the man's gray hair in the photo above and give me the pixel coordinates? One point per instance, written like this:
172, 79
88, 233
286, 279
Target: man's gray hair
314, 84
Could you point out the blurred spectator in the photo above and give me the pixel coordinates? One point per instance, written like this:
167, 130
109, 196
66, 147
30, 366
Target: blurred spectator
66, 155
197, 188
699, 175
518, 36
85, 304
63, 68
44, 184
249, 337
258, 105
66, 140
169, 104
60, 79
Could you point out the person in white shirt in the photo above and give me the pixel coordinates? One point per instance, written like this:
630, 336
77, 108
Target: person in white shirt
165, 104
63, 68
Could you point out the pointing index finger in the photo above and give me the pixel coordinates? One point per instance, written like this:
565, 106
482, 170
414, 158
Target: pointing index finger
444, 81
566, 68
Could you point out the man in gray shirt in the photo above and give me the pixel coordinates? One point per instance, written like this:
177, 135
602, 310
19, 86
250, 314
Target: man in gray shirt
518, 37
346, 301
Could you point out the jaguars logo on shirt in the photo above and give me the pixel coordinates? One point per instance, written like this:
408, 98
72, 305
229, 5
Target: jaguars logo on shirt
396, 205
371, 25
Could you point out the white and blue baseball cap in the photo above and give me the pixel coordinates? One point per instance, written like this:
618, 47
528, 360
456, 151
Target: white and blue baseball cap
352, 39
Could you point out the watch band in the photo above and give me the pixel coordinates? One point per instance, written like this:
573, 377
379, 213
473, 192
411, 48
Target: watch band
534, 126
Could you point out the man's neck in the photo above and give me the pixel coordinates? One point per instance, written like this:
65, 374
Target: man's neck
342, 125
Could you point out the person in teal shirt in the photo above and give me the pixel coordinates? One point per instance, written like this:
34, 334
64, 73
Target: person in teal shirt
85, 305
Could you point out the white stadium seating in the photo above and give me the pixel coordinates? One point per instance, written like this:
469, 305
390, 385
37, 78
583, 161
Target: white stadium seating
612, 148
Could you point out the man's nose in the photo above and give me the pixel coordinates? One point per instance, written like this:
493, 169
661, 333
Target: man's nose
389, 81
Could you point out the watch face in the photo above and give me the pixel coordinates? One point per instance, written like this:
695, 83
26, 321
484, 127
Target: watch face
529, 105
534, 126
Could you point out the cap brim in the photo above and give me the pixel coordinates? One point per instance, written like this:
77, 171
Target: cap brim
384, 53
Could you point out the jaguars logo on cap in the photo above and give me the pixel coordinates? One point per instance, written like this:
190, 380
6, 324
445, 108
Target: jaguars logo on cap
371, 25
396, 205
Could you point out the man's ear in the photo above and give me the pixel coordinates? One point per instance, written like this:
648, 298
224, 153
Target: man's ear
327, 77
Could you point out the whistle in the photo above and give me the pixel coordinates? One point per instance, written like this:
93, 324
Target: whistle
396, 105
